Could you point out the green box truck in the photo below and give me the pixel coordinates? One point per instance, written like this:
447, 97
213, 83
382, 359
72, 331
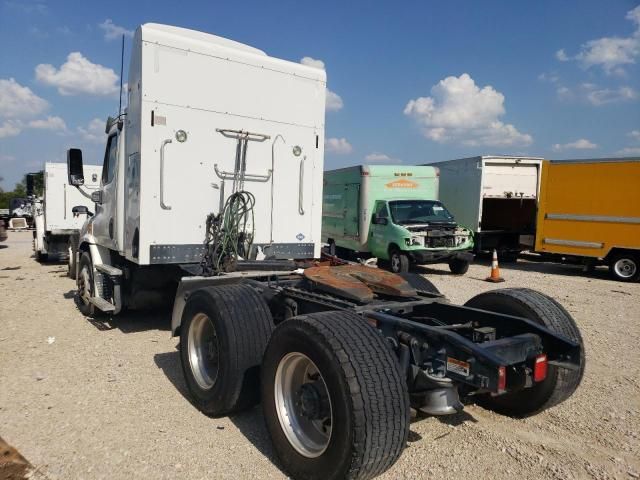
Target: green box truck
392, 212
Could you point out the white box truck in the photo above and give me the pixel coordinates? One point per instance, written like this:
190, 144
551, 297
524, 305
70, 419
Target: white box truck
495, 197
61, 211
212, 196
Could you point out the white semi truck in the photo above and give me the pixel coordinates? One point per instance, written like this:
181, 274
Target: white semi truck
61, 212
212, 197
496, 197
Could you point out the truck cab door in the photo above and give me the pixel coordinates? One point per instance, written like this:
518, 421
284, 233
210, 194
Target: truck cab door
378, 244
104, 221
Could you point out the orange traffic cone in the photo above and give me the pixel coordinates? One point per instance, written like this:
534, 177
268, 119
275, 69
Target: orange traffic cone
495, 270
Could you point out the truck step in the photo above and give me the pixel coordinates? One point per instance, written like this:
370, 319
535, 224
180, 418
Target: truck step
102, 304
109, 270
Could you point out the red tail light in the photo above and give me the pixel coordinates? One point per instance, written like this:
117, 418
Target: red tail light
540, 368
502, 379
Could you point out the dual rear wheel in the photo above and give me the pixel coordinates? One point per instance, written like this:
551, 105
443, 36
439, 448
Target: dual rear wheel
332, 411
334, 400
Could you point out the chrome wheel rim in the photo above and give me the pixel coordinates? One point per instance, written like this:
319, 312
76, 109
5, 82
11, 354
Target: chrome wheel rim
303, 405
625, 268
395, 262
203, 351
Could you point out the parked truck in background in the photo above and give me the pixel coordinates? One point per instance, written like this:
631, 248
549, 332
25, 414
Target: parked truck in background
57, 217
211, 195
589, 211
392, 212
494, 196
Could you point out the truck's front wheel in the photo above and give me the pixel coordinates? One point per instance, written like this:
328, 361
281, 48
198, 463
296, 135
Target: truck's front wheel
335, 403
398, 262
458, 267
85, 286
223, 335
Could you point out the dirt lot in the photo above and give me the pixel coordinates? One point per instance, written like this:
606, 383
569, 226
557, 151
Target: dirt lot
83, 399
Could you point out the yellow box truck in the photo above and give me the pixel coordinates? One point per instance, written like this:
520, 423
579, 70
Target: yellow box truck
590, 210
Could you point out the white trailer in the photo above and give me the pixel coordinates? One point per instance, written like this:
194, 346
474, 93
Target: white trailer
495, 197
211, 197
57, 218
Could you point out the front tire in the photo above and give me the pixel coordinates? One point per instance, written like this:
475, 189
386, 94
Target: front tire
223, 335
560, 383
398, 262
625, 267
85, 286
335, 403
458, 267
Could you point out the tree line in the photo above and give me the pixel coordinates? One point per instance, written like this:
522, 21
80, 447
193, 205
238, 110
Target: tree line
20, 189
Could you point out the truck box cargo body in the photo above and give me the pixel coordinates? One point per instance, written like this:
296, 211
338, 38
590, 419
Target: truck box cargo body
590, 209
495, 197
412, 222
207, 87
55, 221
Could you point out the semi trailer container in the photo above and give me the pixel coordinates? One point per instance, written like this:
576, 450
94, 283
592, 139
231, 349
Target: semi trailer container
589, 211
392, 212
57, 217
494, 196
212, 197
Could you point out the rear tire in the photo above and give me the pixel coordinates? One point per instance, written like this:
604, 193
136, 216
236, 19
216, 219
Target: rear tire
352, 387
223, 335
41, 257
458, 267
560, 383
625, 267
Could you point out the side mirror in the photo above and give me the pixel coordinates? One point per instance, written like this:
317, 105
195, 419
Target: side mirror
29, 185
74, 167
96, 197
81, 210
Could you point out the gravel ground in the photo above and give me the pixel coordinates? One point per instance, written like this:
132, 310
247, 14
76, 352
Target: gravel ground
83, 399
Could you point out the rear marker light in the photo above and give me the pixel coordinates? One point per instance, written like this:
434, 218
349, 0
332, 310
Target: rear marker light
540, 368
502, 379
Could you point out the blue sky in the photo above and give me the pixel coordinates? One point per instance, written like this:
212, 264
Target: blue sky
412, 82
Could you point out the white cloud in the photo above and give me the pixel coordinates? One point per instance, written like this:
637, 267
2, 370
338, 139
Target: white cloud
79, 76
460, 112
334, 102
312, 62
113, 31
6, 158
49, 123
597, 96
338, 146
10, 128
94, 131
609, 53
581, 144
629, 151
604, 96
381, 158
17, 101
634, 134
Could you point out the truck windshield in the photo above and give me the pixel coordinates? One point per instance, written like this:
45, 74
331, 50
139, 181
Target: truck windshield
407, 212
